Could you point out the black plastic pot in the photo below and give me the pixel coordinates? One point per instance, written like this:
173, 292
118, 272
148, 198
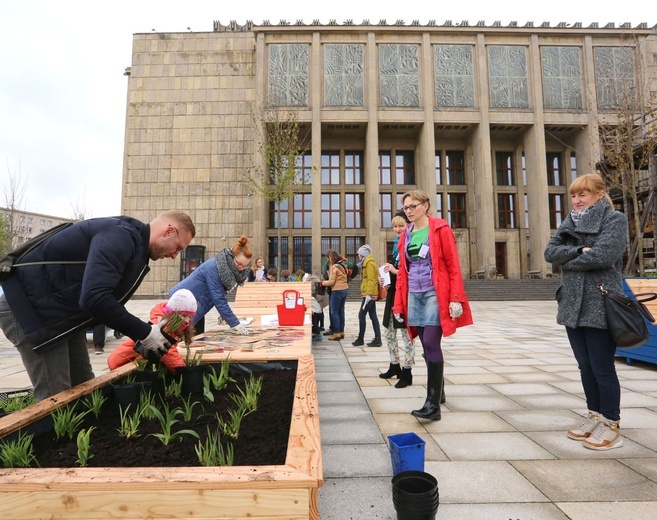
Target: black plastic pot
192, 378
415, 495
127, 394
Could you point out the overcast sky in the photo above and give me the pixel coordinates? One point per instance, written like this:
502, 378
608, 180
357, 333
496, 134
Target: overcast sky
63, 92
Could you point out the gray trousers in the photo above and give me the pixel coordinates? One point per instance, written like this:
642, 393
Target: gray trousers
51, 370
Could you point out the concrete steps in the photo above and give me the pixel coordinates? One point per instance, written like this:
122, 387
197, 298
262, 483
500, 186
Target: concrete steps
492, 290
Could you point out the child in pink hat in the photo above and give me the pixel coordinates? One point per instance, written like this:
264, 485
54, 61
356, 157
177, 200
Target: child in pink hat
181, 304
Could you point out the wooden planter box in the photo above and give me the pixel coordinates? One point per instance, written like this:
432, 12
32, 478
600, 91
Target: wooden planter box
647, 352
289, 491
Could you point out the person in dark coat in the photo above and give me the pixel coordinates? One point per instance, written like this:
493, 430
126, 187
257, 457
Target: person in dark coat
392, 325
82, 276
590, 240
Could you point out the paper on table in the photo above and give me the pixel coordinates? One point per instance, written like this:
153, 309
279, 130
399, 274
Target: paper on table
385, 275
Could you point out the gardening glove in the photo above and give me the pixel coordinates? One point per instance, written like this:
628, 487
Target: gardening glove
399, 318
241, 329
455, 310
155, 344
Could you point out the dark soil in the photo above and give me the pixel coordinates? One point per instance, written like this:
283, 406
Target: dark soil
262, 440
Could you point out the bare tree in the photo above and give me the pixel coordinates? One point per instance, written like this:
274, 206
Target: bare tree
13, 193
626, 146
281, 145
79, 208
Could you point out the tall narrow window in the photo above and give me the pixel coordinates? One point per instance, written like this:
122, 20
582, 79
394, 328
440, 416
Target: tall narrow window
385, 168
302, 254
278, 213
456, 211
353, 167
352, 244
554, 172
330, 167
439, 176
385, 209
504, 168
331, 210
455, 168
272, 254
404, 167
524, 169
557, 212
303, 211
304, 164
439, 205
354, 210
506, 210
573, 166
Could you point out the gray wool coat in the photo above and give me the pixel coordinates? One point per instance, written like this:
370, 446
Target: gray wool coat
604, 230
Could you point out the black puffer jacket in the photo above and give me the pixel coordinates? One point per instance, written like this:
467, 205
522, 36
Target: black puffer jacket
53, 301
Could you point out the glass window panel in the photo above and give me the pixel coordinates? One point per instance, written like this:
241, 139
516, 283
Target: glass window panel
385, 168
456, 210
330, 210
385, 211
504, 168
303, 211
455, 168
354, 210
353, 168
330, 167
438, 167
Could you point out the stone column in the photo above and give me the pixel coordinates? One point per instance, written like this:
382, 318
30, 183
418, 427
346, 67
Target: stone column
482, 173
372, 143
316, 149
425, 173
536, 163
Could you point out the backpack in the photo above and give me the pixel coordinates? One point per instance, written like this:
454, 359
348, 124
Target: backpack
11, 260
351, 268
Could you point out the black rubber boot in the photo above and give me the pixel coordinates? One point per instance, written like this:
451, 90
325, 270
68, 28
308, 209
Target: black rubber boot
393, 370
431, 408
442, 393
406, 378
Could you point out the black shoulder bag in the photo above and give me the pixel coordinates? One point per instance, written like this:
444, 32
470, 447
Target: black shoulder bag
625, 316
12, 259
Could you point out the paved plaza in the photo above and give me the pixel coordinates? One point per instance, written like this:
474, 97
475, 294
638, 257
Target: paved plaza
500, 450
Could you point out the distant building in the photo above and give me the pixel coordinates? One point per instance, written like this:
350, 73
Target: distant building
24, 225
493, 122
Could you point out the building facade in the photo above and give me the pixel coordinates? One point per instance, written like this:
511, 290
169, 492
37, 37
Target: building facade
492, 122
24, 225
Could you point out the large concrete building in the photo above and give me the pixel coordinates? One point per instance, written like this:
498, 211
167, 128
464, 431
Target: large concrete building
493, 122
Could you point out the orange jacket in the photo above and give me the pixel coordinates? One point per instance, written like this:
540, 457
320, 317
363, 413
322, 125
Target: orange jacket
125, 352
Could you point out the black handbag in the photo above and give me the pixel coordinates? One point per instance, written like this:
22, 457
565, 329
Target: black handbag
625, 316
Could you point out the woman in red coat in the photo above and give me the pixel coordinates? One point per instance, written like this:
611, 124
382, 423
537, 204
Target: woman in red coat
429, 293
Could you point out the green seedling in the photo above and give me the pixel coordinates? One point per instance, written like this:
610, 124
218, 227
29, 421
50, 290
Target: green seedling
249, 397
192, 360
207, 390
18, 402
94, 402
129, 428
146, 400
212, 452
83, 442
220, 381
188, 408
173, 389
18, 453
67, 421
232, 426
167, 420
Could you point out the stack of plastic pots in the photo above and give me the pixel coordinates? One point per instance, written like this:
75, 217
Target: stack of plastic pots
415, 495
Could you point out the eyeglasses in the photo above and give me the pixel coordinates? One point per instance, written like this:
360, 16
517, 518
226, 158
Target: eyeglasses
180, 249
411, 207
239, 265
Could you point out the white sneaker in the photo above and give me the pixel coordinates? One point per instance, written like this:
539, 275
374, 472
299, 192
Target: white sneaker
605, 436
584, 430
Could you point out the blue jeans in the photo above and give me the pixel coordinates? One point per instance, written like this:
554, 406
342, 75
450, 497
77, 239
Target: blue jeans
365, 309
336, 310
51, 369
594, 351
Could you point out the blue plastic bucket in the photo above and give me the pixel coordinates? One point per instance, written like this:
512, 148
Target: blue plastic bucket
406, 452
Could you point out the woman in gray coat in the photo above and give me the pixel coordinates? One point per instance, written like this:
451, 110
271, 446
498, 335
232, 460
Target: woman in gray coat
591, 240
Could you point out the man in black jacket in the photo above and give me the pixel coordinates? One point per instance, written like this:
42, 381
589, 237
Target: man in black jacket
81, 276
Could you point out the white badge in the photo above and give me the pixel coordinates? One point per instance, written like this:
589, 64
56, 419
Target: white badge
424, 251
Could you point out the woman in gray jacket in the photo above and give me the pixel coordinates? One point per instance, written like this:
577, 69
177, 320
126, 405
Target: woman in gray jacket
591, 240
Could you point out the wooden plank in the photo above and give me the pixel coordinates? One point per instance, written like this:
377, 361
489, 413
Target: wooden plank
206, 504
264, 297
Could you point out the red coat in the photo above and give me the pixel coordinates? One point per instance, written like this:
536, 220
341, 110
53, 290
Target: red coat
446, 277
